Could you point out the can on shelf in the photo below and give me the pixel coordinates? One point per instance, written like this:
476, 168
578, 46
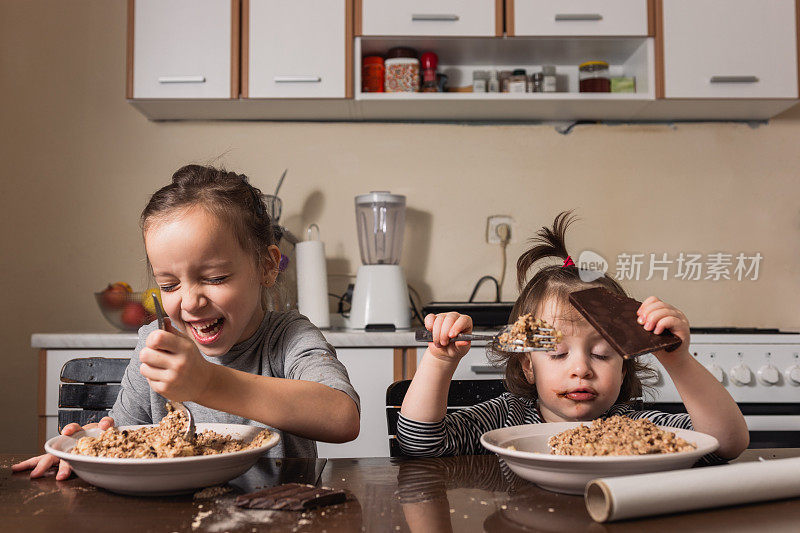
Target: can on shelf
372, 74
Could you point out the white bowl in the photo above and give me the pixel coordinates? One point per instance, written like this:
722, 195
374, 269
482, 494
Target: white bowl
156, 477
569, 474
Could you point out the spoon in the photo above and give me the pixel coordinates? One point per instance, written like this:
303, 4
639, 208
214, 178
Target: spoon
178, 406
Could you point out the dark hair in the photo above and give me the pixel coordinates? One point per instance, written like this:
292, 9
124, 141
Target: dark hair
557, 281
226, 195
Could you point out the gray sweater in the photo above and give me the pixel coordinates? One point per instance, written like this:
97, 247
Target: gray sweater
286, 345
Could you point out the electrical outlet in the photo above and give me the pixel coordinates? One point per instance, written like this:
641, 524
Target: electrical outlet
492, 224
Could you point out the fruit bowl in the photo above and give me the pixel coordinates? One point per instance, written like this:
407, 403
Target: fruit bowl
124, 309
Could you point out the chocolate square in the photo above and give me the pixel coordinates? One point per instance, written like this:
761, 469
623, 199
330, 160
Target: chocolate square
291, 497
614, 318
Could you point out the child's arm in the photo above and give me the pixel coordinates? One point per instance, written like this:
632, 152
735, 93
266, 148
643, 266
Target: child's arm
426, 399
710, 406
176, 370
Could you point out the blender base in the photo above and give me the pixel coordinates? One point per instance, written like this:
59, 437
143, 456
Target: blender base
380, 299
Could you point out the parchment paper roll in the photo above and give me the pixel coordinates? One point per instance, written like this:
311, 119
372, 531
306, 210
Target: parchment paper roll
618, 498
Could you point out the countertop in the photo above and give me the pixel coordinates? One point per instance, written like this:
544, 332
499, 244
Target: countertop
467, 493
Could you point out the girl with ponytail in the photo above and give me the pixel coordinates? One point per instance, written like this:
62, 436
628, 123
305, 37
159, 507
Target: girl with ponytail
582, 379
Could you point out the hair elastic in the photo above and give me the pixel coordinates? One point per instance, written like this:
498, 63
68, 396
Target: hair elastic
568, 262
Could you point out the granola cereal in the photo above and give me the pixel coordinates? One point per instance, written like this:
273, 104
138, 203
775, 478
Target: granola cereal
163, 441
617, 435
522, 332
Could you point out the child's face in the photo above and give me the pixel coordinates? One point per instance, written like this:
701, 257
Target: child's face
581, 378
210, 286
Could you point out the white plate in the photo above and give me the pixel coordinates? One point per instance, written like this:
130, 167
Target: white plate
569, 473
162, 476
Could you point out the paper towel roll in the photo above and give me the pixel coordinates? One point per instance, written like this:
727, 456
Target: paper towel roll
617, 498
312, 282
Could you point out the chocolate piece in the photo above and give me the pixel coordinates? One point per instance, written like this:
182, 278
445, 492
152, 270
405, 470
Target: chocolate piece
291, 497
614, 317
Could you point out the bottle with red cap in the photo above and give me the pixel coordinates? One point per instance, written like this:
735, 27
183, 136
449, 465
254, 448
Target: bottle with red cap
429, 61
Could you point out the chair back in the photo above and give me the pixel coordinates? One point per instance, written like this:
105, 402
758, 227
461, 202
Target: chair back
89, 387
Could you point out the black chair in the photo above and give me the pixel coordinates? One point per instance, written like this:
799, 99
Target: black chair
462, 393
89, 389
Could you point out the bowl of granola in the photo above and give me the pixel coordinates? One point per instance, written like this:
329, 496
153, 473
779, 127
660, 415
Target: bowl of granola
565, 456
157, 460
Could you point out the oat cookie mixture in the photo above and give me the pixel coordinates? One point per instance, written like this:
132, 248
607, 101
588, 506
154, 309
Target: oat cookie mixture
617, 435
163, 441
522, 332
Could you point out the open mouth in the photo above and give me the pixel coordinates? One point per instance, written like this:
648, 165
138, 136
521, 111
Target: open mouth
206, 331
580, 395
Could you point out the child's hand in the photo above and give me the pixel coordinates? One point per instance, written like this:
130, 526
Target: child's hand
658, 316
173, 365
42, 463
444, 327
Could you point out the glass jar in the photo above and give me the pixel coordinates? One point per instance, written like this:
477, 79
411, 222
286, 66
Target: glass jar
518, 82
401, 75
480, 79
429, 61
549, 79
594, 77
372, 74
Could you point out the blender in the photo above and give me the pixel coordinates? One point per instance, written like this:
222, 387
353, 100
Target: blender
380, 296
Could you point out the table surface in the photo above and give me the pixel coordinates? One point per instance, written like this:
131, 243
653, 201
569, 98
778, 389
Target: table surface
468, 493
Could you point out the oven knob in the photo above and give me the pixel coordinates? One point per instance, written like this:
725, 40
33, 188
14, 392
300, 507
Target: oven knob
793, 373
768, 375
717, 372
741, 375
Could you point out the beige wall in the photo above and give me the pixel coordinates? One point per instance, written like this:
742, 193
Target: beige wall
79, 162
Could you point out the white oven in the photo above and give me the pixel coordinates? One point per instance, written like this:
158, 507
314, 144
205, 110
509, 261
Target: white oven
760, 369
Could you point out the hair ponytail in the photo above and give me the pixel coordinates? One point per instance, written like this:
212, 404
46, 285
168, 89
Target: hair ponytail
549, 242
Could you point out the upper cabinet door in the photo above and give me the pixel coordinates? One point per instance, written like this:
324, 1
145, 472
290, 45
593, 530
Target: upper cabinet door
580, 17
183, 49
730, 49
296, 48
429, 17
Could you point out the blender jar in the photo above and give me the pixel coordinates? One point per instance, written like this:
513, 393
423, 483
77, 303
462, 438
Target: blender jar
380, 220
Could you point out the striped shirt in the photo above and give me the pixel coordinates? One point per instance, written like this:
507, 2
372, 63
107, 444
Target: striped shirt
459, 432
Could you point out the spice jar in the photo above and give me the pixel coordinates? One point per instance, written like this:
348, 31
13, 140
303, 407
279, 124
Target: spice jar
429, 62
504, 77
372, 74
594, 77
518, 82
548, 79
480, 79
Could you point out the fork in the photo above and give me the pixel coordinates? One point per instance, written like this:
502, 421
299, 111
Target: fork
178, 406
542, 342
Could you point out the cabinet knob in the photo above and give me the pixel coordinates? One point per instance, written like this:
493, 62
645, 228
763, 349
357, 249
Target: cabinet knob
768, 375
741, 375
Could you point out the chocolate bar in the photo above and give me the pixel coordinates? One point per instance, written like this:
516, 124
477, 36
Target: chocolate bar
614, 317
291, 497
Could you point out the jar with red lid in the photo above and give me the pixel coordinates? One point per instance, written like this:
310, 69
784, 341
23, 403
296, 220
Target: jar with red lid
372, 74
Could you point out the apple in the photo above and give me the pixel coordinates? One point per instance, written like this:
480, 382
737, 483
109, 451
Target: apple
133, 314
115, 295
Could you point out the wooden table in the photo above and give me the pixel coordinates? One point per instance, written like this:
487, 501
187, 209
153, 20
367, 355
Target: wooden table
461, 494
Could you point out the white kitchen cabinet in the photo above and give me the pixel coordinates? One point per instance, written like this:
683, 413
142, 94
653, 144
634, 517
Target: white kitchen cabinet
295, 48
580, 17
429, 17
183, 49
730, 49
371, 371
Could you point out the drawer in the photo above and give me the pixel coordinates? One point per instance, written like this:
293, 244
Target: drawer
182, 49
432, 17
296, 49
730, 49
580, 17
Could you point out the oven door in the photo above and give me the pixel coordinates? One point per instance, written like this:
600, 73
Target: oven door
771, 425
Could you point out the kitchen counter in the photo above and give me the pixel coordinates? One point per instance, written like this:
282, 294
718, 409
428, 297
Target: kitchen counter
468, 493
339, 338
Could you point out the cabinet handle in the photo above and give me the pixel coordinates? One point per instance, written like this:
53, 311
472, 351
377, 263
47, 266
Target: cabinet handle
485, 369
734, 79
560, 17
181, 79
439, 18
297, 79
